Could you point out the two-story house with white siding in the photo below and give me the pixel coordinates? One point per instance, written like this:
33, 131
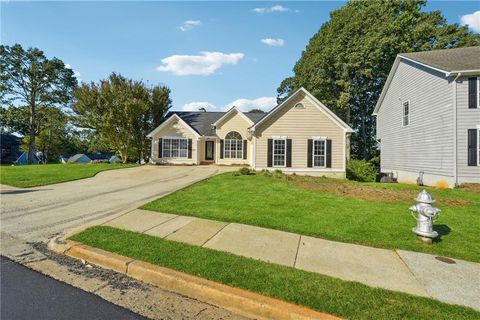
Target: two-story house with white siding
428, 117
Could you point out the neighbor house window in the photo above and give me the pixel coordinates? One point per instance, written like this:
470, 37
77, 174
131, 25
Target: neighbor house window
233, 146
175, 147
319, 153
474, 93
279, 152
406, 113
478, 147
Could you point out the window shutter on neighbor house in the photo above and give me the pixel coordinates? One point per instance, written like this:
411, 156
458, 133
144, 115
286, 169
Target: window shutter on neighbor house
221, 149
472, 147
269, 152
244, 149
289, 153
472, 93
329, 153
189, 148
309, 152
160, 147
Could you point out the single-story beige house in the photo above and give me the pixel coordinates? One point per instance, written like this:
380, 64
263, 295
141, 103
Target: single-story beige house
300, 135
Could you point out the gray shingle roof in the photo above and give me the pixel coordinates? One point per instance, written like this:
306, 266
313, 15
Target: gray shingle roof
202, 121
458, 59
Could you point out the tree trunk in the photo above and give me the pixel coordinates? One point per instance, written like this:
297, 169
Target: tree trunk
31, 142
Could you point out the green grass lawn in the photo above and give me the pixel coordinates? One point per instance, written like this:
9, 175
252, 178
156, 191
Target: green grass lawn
342, 298
371, 214
39, 175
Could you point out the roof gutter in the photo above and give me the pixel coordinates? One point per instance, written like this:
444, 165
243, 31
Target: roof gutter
455, 157
463, 73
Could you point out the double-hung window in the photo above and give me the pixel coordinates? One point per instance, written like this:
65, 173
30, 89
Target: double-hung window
406, 113
173, 147
233, 146
319, 153
279, 152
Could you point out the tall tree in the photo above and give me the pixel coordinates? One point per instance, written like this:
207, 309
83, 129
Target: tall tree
29, 78
122, 112
347, 61
52, 133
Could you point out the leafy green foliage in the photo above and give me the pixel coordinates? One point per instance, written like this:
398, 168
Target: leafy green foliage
244, 171
350, 300
122, 112
27, 77
51, 135
361, 170
347, 61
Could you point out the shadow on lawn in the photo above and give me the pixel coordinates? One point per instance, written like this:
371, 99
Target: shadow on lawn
442, 230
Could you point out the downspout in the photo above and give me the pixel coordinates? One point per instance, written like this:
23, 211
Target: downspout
455, 169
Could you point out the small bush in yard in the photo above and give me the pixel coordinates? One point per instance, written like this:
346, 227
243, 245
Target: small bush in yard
359, 170
246, 171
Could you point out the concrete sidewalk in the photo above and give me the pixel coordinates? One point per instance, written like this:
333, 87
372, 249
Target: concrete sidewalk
414, 273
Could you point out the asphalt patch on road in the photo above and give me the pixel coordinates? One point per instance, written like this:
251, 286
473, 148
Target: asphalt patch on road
114, 279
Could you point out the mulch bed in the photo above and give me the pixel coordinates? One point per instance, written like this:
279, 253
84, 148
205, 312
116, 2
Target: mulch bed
371, 193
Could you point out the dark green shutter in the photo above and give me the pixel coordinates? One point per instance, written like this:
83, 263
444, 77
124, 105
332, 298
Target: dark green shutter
221, 149
309, 152
472, 93
329, 153
289, 153
160, 142
189, 148
269, 152
244, 149
472, 147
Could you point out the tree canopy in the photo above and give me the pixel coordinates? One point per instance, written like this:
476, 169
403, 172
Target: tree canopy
28, 78
122, 112
347, 61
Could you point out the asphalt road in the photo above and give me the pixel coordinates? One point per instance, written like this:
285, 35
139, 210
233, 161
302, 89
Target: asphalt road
27, 294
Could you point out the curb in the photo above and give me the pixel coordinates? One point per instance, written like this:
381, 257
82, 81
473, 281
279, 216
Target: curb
237, 300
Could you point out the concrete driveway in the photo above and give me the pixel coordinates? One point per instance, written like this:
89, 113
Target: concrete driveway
35, 214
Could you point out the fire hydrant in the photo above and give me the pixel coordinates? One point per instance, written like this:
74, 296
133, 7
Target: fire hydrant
425, 215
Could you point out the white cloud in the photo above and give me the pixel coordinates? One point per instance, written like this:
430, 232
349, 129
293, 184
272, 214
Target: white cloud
472, 20
76, 74
273, 42
204, 64
262, 103
190, 24
195, 106
245, 105
277, 8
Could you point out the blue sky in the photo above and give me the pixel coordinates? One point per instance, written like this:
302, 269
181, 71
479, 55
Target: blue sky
211, 54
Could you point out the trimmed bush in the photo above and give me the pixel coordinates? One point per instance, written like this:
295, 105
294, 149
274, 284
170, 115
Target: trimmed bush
246, 171
359, 170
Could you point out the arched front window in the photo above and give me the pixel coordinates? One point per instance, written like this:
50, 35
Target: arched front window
233, 146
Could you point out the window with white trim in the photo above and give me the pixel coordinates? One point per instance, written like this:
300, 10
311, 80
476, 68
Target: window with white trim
406, 113
233, 146
319, 153
299, 106
173, 147
279, 152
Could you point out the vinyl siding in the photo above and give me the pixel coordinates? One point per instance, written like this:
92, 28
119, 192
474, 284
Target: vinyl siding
466, 119
300, 125
234, 122
426, 144
175, 129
